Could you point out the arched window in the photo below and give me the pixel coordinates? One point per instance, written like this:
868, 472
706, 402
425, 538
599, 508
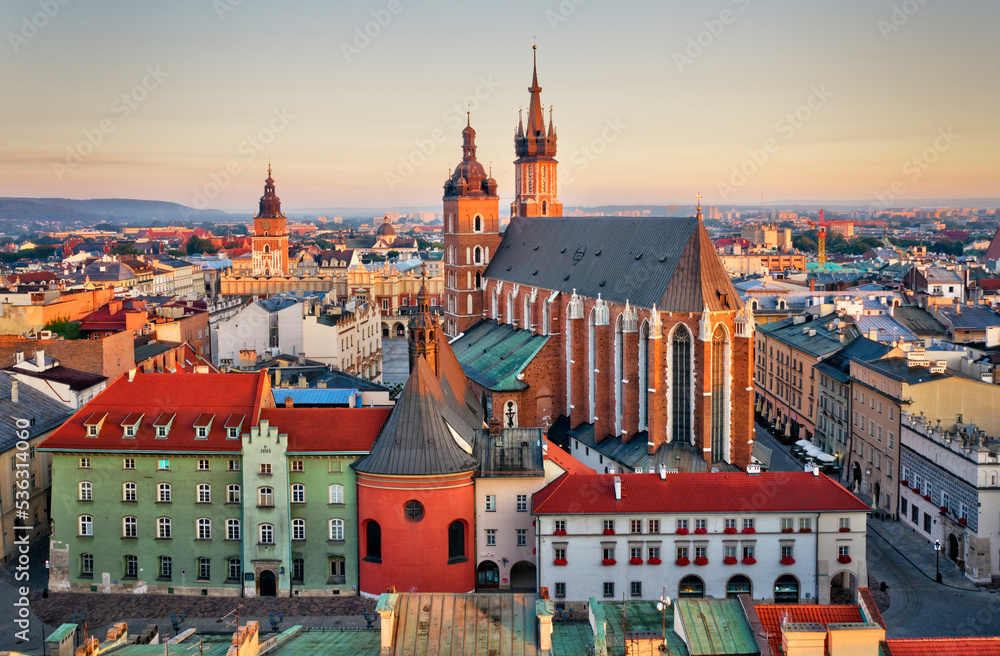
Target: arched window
204, 528
468, 255
754, 305
786, 590
456, 542
495, 300
477, 223
592, 364
128, 491
337, 530
265, 496
232, 493
486, 256
298, 493
479, 280
267, 249
163, 493
130, 527
477, 255
164, 528
86, 491
545, 204
619, 373
526, 313
510, 308
336, 493
373, 542
644, 376
468, 279
468, 303
691, 587
266, 533
204, 493
719, 388
298, 529
680, 365
232, 529
738, 585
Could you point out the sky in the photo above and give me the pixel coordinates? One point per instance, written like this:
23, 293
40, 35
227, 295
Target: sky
361, 103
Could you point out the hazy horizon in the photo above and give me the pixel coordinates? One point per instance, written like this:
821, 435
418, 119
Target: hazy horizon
867, 102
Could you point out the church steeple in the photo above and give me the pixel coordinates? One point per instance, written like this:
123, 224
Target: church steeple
270, 204
536, 122
423, 328
535, 173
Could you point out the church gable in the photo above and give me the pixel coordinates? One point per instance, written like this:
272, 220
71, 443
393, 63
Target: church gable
666, 262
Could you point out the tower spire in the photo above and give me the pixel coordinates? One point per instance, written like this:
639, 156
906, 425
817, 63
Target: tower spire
536, 121
698, 196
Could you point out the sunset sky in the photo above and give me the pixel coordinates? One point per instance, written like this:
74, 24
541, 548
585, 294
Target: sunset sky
653, 101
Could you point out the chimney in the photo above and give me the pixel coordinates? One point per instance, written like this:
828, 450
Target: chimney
13, 391
277, 377
812, 284
302, 358
131, 375
289, 402
618, 488
663, 472
40, 358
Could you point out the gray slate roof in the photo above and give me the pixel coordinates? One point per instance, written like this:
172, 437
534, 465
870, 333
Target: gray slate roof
46, 413
515, 452
669, 262
416, 440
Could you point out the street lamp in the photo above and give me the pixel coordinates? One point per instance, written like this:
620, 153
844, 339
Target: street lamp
662, 606
937, 560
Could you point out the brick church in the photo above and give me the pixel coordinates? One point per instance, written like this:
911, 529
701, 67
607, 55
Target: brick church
622, 329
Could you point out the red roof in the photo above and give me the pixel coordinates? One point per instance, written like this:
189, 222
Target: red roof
328, 429
701, 492
986, 646
565, 461
186, 395
772, 615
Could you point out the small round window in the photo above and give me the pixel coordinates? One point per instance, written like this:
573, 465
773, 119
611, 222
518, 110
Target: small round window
414, 510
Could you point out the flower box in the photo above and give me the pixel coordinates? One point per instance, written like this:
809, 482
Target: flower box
682, 531
701, 531
843, 560
749, 561
635, 561
805, 530
905, 483
788, 530
608, 562
729, 560
845, 529
787, 560
963, 521
654, 561
559, 532
701, 561
729, 530
683, 562
927, 497
943, 509
609, 531
750, 529
561, 562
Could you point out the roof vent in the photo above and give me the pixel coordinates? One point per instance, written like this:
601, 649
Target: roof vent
753, 469
618, 488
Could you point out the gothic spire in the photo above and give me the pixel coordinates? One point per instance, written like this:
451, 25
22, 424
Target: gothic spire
536, 121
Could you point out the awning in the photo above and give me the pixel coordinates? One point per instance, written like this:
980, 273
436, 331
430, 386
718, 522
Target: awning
804, 443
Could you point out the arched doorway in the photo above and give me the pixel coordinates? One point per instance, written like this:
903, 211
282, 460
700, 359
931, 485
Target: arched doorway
843, 588
786, 590
267, 584
522, 577
400, 330
738, 585
385, 330
487, 576
953, 551
691, 587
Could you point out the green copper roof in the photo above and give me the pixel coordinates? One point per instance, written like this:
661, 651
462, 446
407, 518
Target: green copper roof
357, 642
493, 354
716, 626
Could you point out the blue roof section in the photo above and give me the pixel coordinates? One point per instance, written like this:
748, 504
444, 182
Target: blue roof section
314, 396
886, 327
493, 354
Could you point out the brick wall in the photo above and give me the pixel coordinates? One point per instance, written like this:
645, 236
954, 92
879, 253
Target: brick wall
110, 356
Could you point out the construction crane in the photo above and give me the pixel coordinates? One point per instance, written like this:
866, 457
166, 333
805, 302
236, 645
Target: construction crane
821, 241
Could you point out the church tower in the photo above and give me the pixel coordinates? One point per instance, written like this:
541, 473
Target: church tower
471, 236
423, 329
270, 239
535, 180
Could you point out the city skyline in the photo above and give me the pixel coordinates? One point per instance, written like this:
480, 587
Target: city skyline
363, 106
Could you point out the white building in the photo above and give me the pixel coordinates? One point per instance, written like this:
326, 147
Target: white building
265, 328
71, 387
783, 537
347, 337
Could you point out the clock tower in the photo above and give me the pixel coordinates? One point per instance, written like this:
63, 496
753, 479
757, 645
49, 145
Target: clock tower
270, 238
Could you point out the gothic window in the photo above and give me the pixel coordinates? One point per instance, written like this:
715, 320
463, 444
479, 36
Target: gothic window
681, 388
456, 541
267, 249
495, 301
510, 308
468, 303
644, 376
526, 314
545, 317
619, 373
479, 280
718, 393
545, 208
541, 183
478, 223
478, 255
373, 541
468, 255
531, 186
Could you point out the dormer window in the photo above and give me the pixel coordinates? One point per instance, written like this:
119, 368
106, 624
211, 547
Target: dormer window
233, 433
203, 425
201, 431
233, 426
94, 423
92, 431
130, 425
162, 425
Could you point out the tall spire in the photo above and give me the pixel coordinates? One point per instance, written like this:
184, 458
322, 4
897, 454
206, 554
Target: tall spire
698, 196
270, 204
536, 121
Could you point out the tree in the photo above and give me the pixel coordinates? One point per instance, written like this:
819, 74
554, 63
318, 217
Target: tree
125, 249
804, 243
64, 328
196, 245
391, 254
173, 252
106, 227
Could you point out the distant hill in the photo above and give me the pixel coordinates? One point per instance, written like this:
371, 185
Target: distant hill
24, 211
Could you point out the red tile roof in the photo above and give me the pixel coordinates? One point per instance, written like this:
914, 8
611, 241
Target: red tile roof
772, 615
696, 492
328, 429
871, 608
987, 646
152, 395
565, 461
